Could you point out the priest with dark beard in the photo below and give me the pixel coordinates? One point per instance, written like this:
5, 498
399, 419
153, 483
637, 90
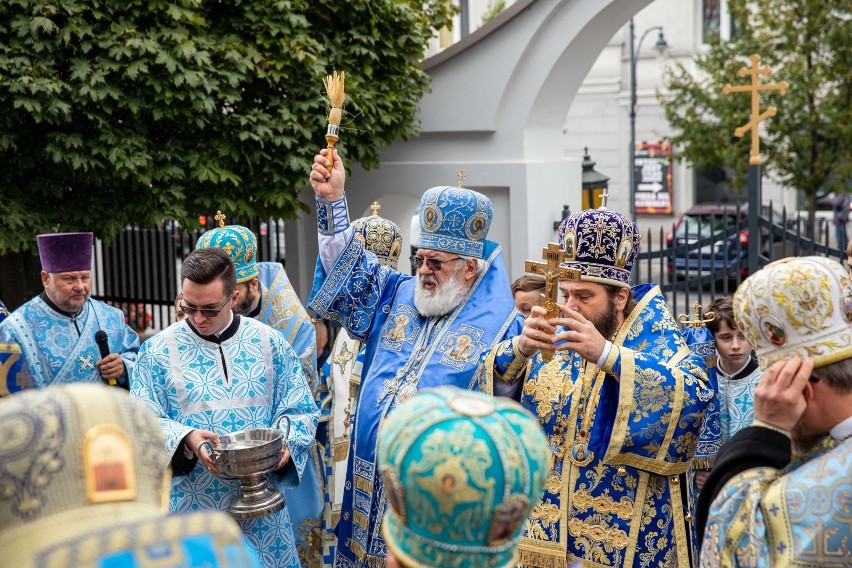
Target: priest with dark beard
420, 331
621, 402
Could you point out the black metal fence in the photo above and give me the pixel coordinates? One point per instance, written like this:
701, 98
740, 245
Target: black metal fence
696, 261
139, 271
707, 257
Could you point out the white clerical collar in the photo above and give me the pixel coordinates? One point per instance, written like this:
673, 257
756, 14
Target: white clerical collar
842, 430
728, 375
230, 321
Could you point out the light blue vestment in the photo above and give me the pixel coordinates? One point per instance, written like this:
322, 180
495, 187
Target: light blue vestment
404, 352
281, 309
797, 516
736, 400
57, 348
249, 380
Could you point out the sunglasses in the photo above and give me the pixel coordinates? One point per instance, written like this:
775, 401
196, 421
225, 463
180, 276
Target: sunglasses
206, 312
433, 263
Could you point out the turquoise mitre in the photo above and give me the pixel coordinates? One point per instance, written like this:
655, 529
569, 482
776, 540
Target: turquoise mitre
454, 219
601, 244
238, 242
461, 471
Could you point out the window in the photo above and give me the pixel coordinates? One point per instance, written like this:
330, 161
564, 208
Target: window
716, 21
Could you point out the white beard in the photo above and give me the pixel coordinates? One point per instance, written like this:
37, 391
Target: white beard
443, 299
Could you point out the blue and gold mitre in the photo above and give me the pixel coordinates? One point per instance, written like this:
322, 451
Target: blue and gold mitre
454, 219
238, 242
380, 236
602, 244
461, 471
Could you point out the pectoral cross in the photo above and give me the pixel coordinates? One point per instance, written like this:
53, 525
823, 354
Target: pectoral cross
343, 356
220, 217
553, 273
754, 88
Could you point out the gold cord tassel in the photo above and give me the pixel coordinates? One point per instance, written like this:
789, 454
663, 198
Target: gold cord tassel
334, 87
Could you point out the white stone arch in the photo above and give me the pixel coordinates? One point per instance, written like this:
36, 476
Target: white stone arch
497, 108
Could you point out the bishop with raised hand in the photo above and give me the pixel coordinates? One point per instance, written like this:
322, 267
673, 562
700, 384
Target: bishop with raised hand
411, 326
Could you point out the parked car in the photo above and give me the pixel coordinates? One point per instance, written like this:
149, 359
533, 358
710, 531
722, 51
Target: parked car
724, 255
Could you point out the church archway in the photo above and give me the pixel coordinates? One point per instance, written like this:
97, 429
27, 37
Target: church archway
497, 107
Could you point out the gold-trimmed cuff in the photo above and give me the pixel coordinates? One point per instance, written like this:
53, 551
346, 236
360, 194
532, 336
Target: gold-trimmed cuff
517, 367
609, 364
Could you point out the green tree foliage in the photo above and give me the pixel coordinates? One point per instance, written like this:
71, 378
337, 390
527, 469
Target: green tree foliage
494, 9
134, 111
808, 144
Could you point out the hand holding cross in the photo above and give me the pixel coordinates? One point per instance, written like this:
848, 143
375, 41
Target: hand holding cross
553, 273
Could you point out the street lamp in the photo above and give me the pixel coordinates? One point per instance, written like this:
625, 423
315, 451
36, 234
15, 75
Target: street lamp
660, 46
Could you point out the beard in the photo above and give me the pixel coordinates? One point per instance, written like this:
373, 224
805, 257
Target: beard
443, 299
246, 303
607, 322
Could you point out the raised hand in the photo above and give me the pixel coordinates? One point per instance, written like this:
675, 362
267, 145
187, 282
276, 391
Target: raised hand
325, 184
779, 397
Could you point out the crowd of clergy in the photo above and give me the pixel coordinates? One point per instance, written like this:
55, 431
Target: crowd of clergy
456, 420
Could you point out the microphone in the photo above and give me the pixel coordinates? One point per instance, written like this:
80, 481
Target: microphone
103, 346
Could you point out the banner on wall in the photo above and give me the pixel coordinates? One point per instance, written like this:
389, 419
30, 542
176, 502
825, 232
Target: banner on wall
652, 172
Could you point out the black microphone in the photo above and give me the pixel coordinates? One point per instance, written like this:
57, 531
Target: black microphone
103, 346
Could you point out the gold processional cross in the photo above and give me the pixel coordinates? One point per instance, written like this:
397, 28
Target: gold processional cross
756, 117
698, 321
553, 273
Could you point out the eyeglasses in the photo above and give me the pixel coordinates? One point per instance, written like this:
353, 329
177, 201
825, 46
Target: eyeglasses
206, 312
433, 263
